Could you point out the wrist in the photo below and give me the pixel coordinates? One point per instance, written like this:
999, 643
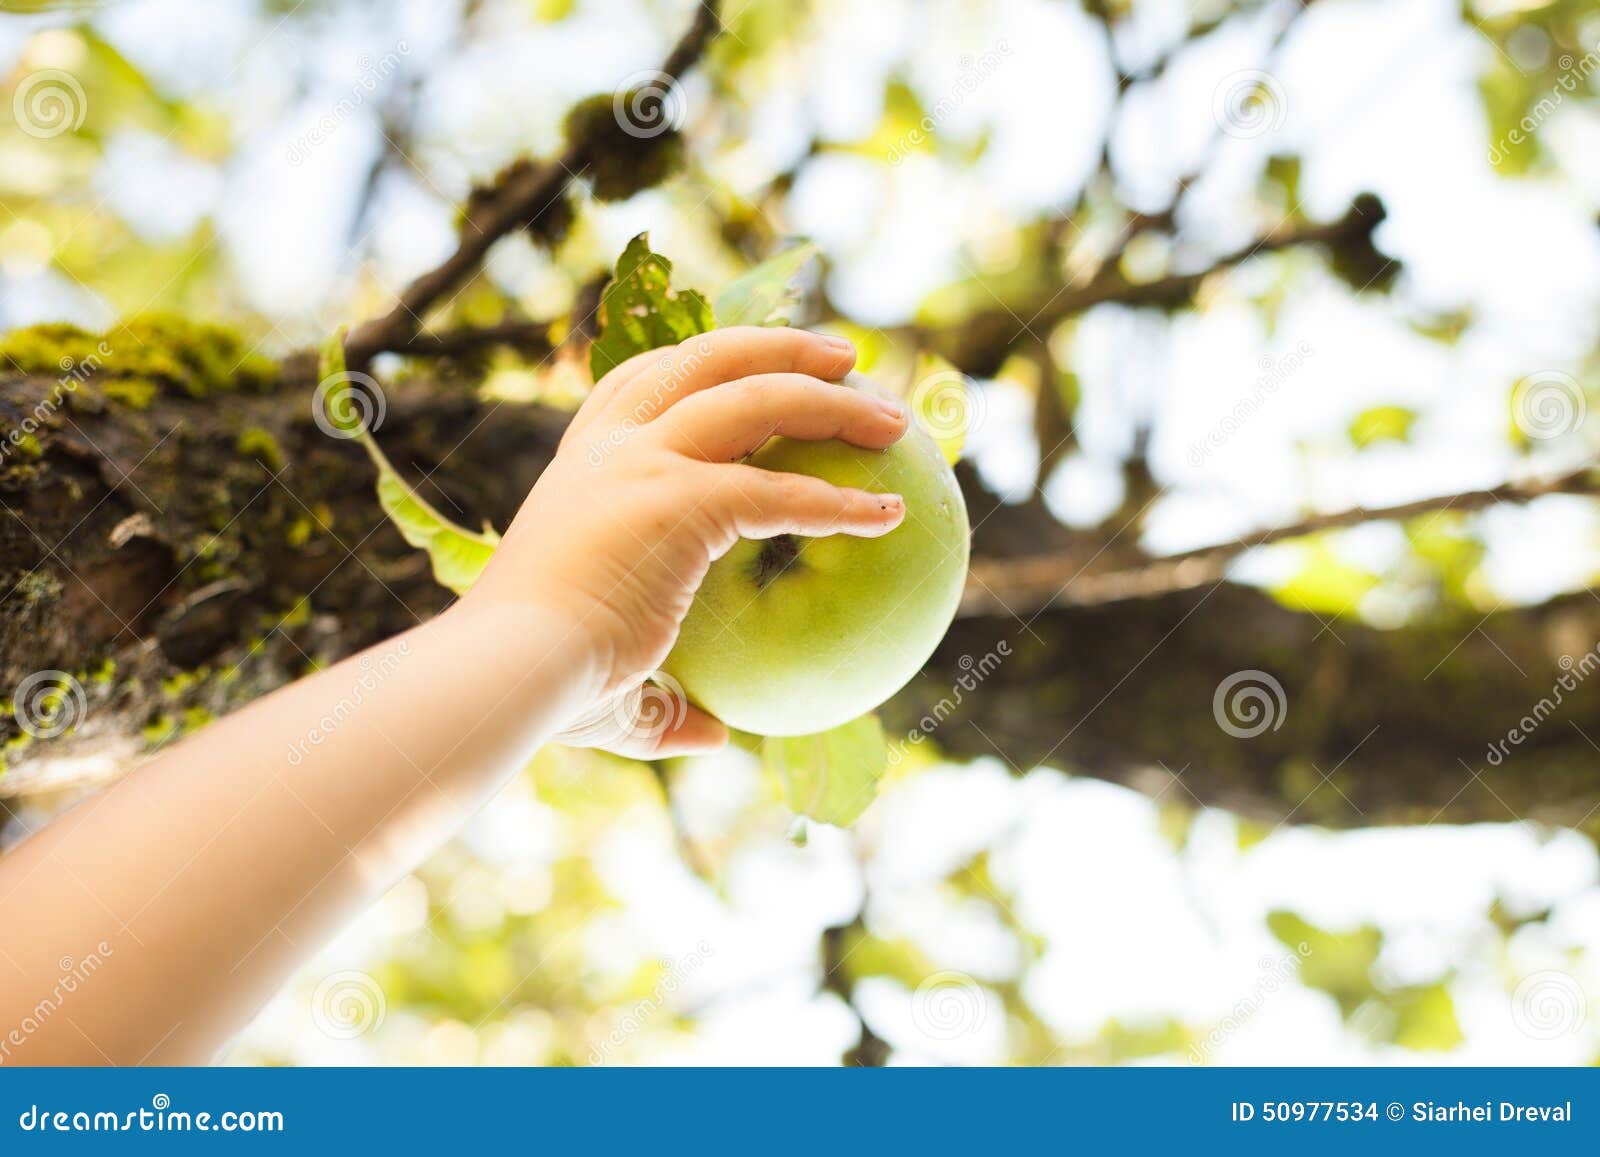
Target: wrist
539, 647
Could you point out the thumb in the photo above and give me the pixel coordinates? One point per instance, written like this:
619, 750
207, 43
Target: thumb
648, 718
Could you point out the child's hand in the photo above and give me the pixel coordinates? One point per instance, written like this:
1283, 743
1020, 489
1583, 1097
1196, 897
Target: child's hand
647, 490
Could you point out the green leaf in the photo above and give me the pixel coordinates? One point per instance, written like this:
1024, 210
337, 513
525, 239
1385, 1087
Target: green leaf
1338, 963
1381, 424
765, 294
640, 312
458, 555
831, 776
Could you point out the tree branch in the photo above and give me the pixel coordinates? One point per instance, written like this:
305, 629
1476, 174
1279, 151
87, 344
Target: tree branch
526, 193
1030, 584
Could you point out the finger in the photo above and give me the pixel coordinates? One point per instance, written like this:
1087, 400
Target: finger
656, 721
605, 390
696, 734
645, 390
761, 503
735, 419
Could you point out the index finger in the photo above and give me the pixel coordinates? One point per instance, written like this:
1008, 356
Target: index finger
666, 376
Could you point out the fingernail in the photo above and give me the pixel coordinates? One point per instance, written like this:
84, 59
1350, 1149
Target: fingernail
891, 504
837, 342
893, 407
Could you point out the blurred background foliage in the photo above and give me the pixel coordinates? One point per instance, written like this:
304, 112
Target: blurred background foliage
284, 167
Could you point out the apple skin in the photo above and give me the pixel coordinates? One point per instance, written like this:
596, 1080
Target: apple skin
799, 635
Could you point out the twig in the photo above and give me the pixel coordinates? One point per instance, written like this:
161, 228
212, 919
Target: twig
1030, 584
529, 336
526, 193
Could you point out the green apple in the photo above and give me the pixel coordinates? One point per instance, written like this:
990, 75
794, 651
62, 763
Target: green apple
795, 635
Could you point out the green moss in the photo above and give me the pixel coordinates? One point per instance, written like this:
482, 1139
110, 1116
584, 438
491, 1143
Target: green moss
28, 446
159, 730
175, 686
621, 163
194, 718
136, 359
135, 393
255, 442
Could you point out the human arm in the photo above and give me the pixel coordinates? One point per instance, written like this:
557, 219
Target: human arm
203, 878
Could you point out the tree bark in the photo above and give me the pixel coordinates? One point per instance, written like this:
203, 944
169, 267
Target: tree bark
213, 548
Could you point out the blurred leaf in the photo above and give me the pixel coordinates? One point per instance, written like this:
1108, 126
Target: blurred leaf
1339, 964
765, 294
1382, 424
458, 555
831, 776
639, 310
1425, 1019
1326, 583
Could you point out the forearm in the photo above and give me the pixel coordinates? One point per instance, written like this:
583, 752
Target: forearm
201, 880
